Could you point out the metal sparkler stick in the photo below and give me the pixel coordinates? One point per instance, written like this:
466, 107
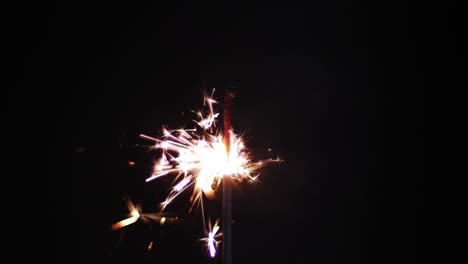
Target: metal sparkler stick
227, 182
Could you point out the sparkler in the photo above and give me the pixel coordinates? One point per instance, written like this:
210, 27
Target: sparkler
201, 158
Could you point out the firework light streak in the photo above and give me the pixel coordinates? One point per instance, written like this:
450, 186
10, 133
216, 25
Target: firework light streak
199, 158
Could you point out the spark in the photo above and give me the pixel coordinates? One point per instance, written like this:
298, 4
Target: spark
212, 235
212, 241
150, 246
136, 214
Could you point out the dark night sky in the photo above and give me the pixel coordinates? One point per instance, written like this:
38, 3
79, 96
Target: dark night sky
326, 85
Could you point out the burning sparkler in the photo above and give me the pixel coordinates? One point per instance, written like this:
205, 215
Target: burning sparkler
200, 157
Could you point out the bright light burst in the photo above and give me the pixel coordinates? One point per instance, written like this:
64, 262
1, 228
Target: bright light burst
198, 158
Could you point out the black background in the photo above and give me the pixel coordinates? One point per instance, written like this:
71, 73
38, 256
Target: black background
328, 86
